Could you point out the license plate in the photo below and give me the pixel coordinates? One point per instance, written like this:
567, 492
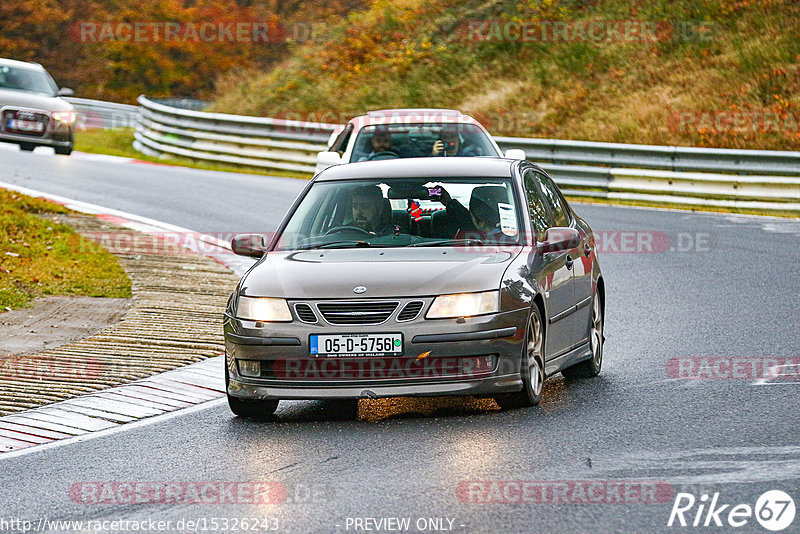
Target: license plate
355, 344
30, 126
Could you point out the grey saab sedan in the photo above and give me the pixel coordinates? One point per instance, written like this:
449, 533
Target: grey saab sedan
416, 277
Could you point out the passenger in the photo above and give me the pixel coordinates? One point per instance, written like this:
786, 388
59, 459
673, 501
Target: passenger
482, 219
449, 144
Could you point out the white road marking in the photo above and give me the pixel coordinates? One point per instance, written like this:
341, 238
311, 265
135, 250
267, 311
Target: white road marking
149, 400
724, 465
95, 414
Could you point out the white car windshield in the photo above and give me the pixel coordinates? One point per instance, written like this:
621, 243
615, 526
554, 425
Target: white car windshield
30, 80
420, 140
402, 213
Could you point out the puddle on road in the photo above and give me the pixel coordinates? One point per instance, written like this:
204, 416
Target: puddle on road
374, 410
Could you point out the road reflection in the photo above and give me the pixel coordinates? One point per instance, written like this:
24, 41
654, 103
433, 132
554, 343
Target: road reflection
373, 410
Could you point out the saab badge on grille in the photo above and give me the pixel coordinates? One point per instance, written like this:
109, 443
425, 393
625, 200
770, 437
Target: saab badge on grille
359, 289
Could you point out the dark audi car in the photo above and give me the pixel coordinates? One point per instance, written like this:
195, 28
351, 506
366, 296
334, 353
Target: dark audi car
417, 277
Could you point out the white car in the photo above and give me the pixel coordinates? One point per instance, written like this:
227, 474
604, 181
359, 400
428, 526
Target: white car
410, 133
32, 112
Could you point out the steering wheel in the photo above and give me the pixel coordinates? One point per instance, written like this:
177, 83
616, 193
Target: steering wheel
338, 229
384, 154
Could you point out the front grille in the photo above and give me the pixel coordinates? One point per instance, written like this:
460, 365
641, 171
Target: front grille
305, 313
29, 116
410, 311
343, 313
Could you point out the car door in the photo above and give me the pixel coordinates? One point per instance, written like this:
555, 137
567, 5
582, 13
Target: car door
555, 272
581, 263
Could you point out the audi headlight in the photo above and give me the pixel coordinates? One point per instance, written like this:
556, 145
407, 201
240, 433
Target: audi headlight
464, 305
65, 116
263, 309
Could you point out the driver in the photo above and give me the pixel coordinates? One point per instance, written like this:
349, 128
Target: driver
370, 210
381, 141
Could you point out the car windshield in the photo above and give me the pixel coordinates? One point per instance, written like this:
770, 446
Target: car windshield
404, 212
30, 80
420, 140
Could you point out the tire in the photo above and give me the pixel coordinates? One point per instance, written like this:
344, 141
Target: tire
532, 367
591, 367
26, 147
63, 150
253, 409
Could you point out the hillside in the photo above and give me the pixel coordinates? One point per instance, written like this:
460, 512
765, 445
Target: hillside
687, 72
116, 50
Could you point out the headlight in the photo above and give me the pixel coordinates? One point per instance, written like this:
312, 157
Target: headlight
263, 309
464, 305
65, 116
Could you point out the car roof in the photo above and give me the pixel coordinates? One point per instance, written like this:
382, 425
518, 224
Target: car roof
409, 116
420, 167
402, 112
20, 64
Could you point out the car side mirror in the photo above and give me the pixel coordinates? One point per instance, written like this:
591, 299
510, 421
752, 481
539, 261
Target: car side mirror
516, 153
329, 158
251, 245
65, 91
559, 238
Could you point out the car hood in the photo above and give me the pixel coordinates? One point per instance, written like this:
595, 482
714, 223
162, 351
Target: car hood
25, 99
397, 272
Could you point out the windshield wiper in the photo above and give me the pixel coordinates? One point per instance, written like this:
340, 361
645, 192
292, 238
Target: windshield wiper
448, 242
337, 244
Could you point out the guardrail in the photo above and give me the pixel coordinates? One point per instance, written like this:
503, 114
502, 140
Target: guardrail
255, 141
102, 114
767, 181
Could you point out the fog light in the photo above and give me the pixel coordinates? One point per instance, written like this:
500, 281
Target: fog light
250, 368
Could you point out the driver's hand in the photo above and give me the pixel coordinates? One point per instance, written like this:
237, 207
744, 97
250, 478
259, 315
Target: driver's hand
438, 147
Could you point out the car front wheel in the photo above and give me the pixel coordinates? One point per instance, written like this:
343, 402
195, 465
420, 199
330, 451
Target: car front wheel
532, 369
253, 409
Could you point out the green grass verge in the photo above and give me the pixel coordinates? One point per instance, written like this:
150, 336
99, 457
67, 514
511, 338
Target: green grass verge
39, 257
119, 142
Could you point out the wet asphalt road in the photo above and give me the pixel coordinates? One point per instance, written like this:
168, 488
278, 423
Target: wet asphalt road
731, 293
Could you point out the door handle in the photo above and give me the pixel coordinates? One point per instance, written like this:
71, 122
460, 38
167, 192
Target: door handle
569, 261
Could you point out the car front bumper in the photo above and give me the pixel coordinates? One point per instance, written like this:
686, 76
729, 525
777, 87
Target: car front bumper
61, 136
473, 356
